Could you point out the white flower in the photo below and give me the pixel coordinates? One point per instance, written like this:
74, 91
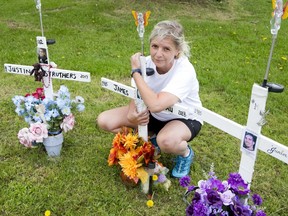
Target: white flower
79, 99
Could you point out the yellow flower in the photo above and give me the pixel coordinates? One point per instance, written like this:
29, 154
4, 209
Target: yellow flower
150, 203
129, 165
131, 141
155, 177
47, 213
142, 175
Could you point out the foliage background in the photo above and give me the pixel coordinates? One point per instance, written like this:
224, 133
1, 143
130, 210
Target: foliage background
230, 43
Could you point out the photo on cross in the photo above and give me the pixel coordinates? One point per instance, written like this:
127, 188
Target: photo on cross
249, 142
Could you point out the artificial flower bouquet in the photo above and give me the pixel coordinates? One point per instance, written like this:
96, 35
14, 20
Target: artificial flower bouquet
221, 198
133, 154
46, 116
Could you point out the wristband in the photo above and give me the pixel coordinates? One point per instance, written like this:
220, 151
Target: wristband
137, 70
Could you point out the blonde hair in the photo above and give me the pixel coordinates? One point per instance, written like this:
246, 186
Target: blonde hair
173, 30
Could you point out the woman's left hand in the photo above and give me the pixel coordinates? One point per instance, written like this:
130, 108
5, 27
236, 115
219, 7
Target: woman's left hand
135, 61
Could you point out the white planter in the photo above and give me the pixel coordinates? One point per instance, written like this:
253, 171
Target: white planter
53, 145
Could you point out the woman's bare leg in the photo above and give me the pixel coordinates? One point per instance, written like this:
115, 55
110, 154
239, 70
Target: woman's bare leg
112, 120
173, 138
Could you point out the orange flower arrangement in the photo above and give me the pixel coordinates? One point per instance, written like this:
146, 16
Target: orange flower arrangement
132, 153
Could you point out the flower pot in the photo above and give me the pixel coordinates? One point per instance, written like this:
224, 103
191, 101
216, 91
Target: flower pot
127, 181
53, 145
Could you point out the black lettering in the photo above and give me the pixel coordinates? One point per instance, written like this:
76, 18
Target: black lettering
84, 76
121, 90
66, 75
198, 112
73, 76
104, 83
40, 41
182, 113
274, 149
170, 109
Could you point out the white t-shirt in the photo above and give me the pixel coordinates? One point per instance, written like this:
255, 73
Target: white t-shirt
181, 81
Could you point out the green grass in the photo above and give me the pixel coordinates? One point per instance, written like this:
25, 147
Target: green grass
230, 43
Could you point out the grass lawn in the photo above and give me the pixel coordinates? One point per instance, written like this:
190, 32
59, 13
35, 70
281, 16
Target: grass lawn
230, 44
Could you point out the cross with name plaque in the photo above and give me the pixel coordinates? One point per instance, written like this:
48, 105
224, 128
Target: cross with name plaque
45, 70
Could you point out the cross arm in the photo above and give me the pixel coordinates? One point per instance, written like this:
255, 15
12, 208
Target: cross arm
55, 72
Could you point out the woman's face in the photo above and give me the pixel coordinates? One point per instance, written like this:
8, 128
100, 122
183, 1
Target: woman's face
42, 52
163, 52
249, 141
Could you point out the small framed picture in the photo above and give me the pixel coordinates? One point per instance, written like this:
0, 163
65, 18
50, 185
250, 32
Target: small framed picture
42, 56
42, 50
249, 142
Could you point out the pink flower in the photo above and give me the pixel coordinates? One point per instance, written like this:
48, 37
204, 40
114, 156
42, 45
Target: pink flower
38, 131
68, 123
25, 137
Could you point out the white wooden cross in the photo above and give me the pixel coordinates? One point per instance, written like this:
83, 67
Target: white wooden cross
254, 124
255, 121
49, 67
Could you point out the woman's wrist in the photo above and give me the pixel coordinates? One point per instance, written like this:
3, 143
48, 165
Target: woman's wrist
136, 70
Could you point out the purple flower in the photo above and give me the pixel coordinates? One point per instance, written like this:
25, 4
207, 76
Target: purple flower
242, 189
237, 184
227, 197
224, 213
196, 198
184, 181
239, 209
235, 178
217, 185
189, 210
213, 198
161, 178
203, 186
260, 213
191, 188
200, 209
257, 200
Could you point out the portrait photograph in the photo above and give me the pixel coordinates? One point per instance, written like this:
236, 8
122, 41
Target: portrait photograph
249, 142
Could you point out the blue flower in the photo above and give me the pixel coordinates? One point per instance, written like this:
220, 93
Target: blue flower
51, 112
66, 110
80, 107
55, 113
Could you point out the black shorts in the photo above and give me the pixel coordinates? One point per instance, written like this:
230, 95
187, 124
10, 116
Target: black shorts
156, 125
